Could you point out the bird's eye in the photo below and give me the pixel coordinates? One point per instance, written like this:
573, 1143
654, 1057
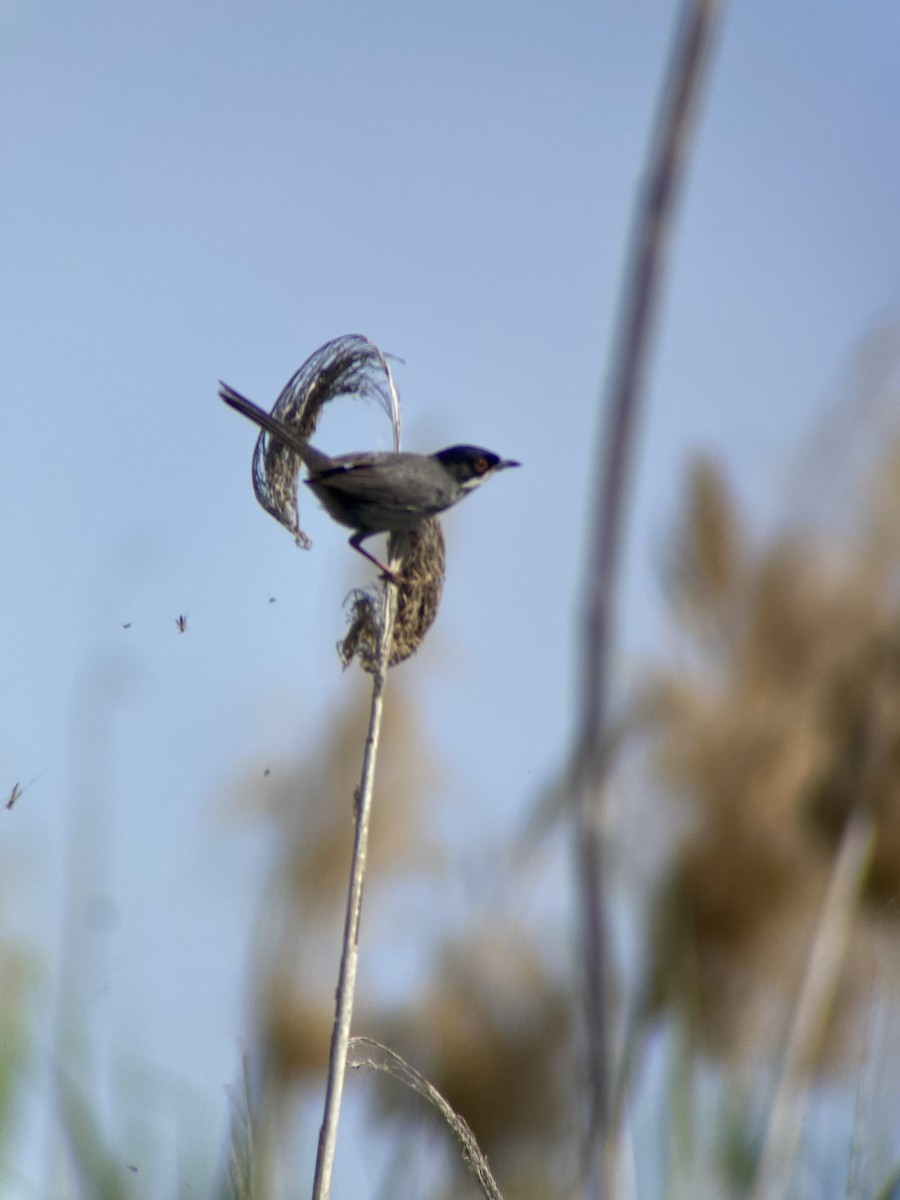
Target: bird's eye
480, 465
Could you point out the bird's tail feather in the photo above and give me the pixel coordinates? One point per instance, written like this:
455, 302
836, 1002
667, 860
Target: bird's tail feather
312, 458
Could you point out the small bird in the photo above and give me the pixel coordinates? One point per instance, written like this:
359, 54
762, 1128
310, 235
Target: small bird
386, 492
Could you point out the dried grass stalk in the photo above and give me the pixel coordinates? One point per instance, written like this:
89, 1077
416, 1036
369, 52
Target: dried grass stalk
392, 1064
356, 377
422, 556
346, 986
814, 1006
654, 213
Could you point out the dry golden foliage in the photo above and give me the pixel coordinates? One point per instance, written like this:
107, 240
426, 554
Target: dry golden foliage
492, 1034
296, 1028
790, 722
707, 563
312, 805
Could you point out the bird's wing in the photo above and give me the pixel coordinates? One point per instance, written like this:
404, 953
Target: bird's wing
353, 479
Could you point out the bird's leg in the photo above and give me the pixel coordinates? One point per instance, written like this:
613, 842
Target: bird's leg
356, 542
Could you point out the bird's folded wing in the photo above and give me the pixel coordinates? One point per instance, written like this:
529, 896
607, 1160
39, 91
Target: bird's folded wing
360, 481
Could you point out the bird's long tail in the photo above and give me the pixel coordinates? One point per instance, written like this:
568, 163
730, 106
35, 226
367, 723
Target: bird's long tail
312, 458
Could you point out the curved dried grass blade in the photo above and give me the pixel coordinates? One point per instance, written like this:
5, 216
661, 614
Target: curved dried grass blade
382, 1058
347, 366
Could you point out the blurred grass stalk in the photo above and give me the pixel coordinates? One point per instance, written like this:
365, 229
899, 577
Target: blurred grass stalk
826, 959
655, 209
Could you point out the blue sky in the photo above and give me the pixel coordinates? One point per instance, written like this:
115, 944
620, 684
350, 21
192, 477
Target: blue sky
195, 192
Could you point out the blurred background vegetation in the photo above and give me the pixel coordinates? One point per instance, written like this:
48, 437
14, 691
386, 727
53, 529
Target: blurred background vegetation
748, 803
747, 759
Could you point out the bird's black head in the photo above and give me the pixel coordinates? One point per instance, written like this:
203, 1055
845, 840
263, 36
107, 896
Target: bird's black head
470, 465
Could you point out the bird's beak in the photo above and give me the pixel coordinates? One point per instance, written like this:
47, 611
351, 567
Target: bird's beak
506, 462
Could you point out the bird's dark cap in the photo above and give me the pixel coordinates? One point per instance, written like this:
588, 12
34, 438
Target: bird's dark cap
475, 456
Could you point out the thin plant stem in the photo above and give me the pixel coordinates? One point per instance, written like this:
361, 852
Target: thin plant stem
346, 986
631, 354
814, 1006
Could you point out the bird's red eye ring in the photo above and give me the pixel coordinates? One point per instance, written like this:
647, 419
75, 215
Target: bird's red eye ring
480, 465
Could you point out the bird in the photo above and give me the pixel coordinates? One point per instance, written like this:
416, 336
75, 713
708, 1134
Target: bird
379, 492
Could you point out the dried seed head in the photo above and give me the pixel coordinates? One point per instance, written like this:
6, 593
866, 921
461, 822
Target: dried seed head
706, 563
420, 584
348, 366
